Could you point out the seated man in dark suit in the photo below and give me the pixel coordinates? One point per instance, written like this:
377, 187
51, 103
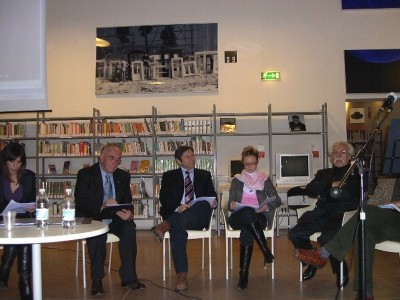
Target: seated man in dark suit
97, 186
327, 216
179, 188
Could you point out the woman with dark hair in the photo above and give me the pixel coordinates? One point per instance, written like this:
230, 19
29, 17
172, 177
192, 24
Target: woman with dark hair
252, 201
18, 184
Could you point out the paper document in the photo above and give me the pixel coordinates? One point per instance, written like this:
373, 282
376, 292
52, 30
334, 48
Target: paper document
240, 205
20, 208
209, 199
390, 206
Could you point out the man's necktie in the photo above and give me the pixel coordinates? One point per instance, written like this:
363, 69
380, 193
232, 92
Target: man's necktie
189, 192
108, 192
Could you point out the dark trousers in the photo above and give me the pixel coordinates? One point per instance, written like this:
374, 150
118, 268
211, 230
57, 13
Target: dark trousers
239, 220
195, 217
316, 220
126, 231
380, 225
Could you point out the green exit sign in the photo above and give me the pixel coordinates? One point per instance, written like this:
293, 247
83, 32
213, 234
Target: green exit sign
271, 75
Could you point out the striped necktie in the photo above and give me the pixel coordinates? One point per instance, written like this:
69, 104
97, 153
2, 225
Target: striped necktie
108, 192
189, 192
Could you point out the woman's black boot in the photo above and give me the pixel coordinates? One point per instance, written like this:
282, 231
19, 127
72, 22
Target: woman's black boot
25, 272
245, 259
258, 234
7, 260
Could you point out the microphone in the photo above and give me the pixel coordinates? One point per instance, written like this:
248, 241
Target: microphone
336, 192
390, 99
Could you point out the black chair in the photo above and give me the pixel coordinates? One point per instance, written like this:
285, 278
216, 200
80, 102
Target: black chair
295, 191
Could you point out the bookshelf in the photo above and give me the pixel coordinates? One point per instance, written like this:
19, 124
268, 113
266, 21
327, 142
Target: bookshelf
148, 143
269, 131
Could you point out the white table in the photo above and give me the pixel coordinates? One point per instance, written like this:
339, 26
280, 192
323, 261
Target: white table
54, 233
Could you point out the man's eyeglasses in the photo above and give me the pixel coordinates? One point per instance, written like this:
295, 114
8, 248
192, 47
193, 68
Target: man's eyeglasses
339, 153
114, 159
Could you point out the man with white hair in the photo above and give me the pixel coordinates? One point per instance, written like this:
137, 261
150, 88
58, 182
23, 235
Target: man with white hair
328, 213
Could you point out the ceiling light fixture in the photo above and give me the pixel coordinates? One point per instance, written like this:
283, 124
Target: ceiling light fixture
102, 43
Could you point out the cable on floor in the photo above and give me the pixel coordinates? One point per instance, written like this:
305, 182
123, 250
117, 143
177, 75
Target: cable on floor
141, 279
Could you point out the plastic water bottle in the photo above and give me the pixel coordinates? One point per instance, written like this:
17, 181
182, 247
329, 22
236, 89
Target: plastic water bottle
68, 210
42, 209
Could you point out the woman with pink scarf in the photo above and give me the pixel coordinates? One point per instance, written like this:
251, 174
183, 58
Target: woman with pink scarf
252, 201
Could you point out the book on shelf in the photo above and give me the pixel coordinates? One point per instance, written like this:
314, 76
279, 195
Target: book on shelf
134, 168
52, 169
66, 166
227, 125
147, 126
144, 166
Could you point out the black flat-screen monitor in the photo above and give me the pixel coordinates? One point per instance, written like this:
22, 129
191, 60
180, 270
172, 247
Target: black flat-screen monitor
235, 167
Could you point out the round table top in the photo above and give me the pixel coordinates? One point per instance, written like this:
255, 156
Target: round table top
53, 233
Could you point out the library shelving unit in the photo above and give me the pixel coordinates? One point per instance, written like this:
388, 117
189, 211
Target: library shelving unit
135, 136
265, 127
320, 130
58, 147
357, 135
174, 130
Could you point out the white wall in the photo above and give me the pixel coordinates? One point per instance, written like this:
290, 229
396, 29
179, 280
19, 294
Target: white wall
304, 39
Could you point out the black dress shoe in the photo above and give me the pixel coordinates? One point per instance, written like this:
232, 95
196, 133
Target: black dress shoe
97, 287
345, 276
134, 285
309, 272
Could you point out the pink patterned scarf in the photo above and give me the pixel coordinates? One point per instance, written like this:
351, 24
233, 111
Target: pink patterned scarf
253, 180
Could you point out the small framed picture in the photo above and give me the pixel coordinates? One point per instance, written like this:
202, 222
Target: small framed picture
296, 122
357, 115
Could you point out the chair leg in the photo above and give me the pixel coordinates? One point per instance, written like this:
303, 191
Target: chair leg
301, 272
77, 259
163, 258
226, 257
109, 260
273, 263
83, 264
341, 274
169, 254
209, 257
231, 253
202, 254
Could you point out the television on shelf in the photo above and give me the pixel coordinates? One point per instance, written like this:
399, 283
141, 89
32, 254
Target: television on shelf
293, 169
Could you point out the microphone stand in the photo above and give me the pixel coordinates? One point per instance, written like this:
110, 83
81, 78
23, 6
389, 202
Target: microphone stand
361, 236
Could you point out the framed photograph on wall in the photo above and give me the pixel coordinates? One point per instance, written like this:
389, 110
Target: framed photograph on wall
175, 58
296, 122
357, 115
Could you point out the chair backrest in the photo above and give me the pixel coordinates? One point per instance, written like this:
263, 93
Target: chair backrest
211, 220
296, 191
224, 208
347, 216
301, 211
270, 230
224, 201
